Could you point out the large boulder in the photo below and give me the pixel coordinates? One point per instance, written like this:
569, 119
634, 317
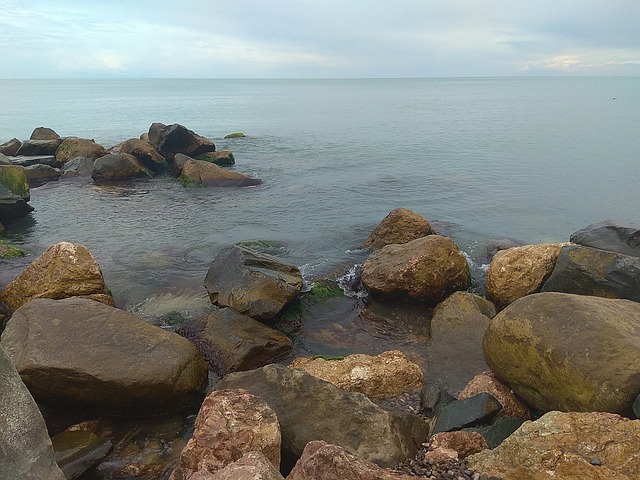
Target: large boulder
230, 423
568, 352
78, 166
400, 226
388, 374
311, 409
252, 283
322, 461
456, 330
425, 270
10, 147
44, 133
40, 174
144, 152
586, 446
34, 148
80, 353
201, 173
63, 270
231, 342
118, 167
171, 139
27, 453
251, 466
79, 147
519, 271
14, 192
590, 271
614, 237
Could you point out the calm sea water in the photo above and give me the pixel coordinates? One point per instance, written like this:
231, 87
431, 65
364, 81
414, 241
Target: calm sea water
529, 159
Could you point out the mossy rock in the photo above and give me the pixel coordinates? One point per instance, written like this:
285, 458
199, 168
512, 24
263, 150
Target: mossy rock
14, 178
9, 251
235, 135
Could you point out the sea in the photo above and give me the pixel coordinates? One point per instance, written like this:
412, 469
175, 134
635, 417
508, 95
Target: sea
489, 162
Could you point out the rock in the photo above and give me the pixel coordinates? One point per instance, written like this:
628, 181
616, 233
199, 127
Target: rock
111, 168
400, 226
235, 135
231, 342
564, 445
463, 443
11, 205
230, 423
519, 271
178, 162
323, 461
251, 466
252, 283
4, 160
201, 173
144, 152
636, 407
31, 148
312, 409
172, 139
63, 270
82, 354
499, 429
26, 448
610, 236
425, 270
28, 161
38, 175
223, 158
76, 452
487, 382
566, 352
78, 166
11, 147
79, 147
14, 193
433, 398
388, 374
464, 413
456, 330
589, 271
44, 133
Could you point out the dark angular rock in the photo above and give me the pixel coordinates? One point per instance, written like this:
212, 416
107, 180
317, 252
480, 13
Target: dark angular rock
590, 271
624, 239
38, 147
433, 398
465, 413
500, 429
176, 138
636, 407
78, 451
113, 168
40, 174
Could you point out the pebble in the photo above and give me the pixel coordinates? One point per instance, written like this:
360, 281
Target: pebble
449, 470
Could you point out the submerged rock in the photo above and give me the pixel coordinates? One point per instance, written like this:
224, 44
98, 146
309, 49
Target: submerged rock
566, 352
200, 172
400, 226
425, 270
63, 270
78, 353
223, 158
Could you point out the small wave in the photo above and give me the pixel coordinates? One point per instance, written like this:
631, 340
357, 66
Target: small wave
350, 282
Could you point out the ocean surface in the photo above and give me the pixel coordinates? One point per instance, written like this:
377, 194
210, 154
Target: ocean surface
487, 160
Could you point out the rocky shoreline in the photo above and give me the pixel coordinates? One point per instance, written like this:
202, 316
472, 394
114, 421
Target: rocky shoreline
552, 350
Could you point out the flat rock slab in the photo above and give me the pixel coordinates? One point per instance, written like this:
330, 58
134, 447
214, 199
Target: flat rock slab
610, 236
82, 354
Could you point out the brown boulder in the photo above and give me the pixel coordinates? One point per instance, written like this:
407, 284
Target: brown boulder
144, 152
400, 226
251, 466
44, 133
230, 423
199, 172
78, 147
463, 443
10, 147
34, 148
324, 461
388, 374
519, 271
118, 167
487, 382
425, 270
63, 270
223, 158
586, 446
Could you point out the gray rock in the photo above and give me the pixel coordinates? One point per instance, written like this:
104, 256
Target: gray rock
499, 430
11, 147
433, 398
590, 271
252, 283
312, 409
38, 147
38, 175
78, 166
172, 139
44, 133
4, 160
78, 451
610, 236
465, 413
232, 342
11, 205
83, 354
27, 453
27, 161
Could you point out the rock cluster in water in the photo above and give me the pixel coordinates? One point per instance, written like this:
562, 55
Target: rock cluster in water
552, 355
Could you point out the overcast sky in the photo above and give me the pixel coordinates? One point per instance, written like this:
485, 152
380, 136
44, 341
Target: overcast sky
320, 38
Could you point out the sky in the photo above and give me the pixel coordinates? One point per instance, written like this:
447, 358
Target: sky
317, 39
